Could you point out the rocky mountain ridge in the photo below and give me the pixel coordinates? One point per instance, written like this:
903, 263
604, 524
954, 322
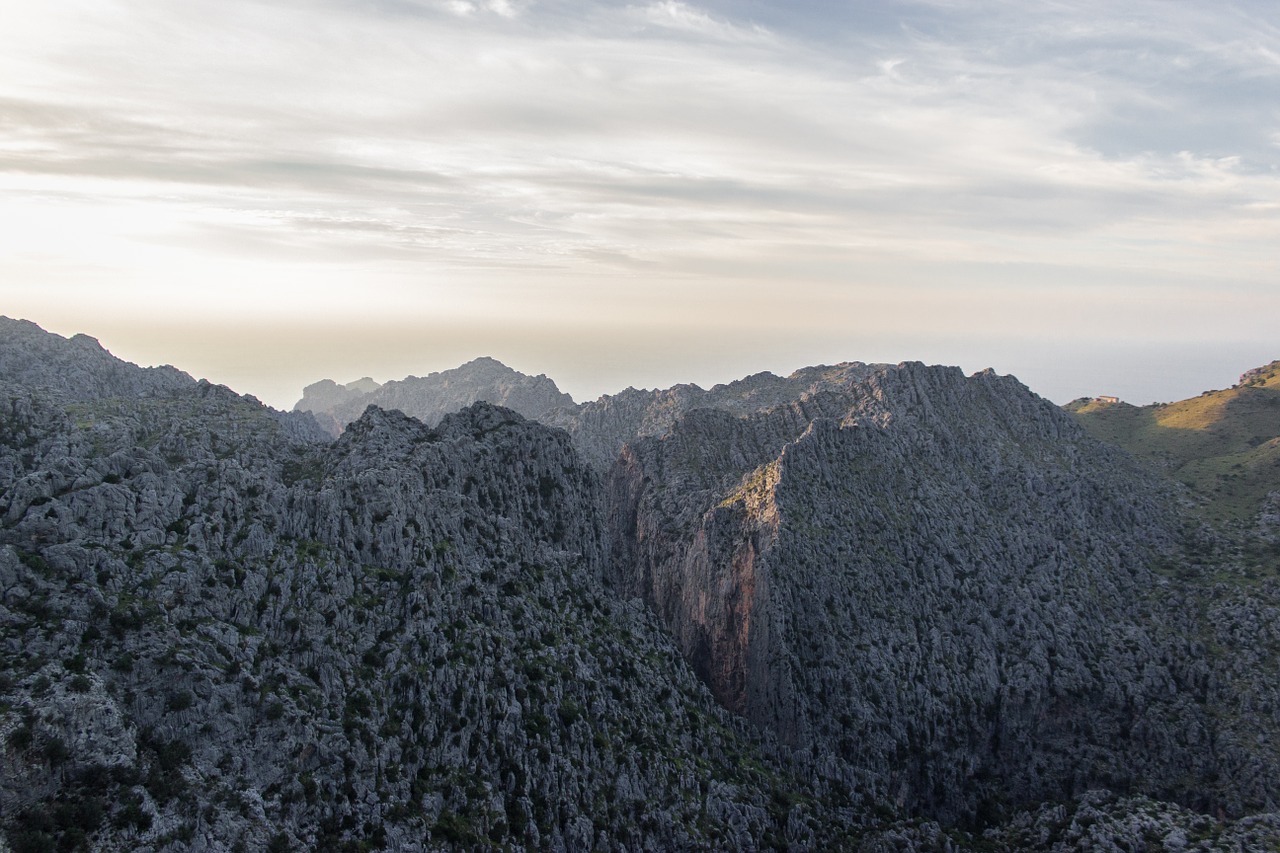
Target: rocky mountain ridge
429, 398
78, 368
600, 428
869, 608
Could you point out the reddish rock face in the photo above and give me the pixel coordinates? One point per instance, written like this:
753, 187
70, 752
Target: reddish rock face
704, 578
718, 604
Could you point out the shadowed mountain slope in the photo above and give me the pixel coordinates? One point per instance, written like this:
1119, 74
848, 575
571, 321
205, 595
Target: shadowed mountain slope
945, 595
938, 587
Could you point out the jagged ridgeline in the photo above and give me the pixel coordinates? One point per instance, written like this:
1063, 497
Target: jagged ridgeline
860, 607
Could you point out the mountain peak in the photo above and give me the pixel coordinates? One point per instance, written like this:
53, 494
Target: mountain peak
485, 361
79, 368
1266, 375
429, 398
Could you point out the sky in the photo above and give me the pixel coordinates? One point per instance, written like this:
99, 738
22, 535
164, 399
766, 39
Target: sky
266, 193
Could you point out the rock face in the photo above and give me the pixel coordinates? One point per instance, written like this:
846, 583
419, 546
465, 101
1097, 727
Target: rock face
77, 369
864, 608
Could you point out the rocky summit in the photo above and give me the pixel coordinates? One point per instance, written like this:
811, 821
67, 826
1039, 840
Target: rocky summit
862, 607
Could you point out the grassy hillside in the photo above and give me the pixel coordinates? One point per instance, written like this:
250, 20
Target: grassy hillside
1225, 445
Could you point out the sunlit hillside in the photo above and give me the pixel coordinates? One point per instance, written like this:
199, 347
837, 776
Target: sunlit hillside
1225, 445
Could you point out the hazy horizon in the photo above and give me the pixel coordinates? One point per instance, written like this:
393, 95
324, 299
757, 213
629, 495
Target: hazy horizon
1084, 195
286, 396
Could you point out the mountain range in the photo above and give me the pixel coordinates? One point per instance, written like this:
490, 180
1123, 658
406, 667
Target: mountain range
863, 607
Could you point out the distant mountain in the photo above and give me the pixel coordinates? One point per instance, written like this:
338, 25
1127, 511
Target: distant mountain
322, 398
1224, 445
429, 398
600, 428
866, 608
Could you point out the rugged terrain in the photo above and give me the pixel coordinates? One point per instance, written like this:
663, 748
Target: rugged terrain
861, 607
951, 598
223, 630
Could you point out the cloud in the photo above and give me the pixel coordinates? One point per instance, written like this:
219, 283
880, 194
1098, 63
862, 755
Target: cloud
505, 8
684, 18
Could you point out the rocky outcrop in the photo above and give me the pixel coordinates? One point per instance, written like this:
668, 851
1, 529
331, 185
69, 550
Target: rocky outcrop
1260, 376
79, 368
1096, 822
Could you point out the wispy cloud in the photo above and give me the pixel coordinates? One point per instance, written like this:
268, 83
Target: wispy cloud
681, 17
